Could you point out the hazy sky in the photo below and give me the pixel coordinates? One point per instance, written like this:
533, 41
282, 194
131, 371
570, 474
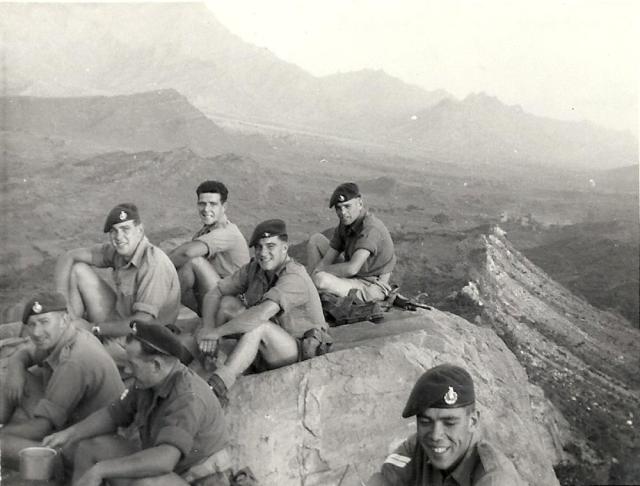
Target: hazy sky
564, 59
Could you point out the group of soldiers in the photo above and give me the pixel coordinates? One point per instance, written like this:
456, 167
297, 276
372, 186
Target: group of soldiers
98, 331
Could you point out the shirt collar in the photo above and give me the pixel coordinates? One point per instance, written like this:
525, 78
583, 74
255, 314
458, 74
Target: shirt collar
68, 335
356, 226
463, 471
136, 258
165, 386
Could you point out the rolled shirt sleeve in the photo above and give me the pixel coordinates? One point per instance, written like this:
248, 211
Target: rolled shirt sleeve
180, 423
64, 391
289, 292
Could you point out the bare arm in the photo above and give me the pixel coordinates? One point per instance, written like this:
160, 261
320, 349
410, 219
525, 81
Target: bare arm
121, 327
99, 422
17, 367
34, 429
348, 268
185, 252
245, 322
64, 264
327, 260
154, 461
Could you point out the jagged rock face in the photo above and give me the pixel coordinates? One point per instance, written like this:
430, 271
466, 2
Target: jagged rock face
585, 359
331, 420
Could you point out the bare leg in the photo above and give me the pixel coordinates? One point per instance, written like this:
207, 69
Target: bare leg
277, 346
317, 248
90, 295
96, 449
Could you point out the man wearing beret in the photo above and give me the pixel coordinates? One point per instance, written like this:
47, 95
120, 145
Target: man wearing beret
145, 286
447, 448
281, 305
360, 255
74, 377
216, 251
182, 429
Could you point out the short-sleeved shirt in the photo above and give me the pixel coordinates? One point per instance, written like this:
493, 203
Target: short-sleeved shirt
227, 250
181, 411
367, 233
289, 286
482, 465
79, 377
148, 282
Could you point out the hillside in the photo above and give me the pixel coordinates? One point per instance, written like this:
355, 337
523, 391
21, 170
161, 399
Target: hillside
33, 127
129, 48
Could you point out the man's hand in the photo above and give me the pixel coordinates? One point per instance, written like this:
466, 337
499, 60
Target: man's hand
91, 478
207, 341
59, 439
15, 384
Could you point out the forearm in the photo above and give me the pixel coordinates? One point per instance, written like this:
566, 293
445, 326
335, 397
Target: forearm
98, 423
343, 269
154, 461
34, 429
122, 327
249, 319
178, 257
210, 306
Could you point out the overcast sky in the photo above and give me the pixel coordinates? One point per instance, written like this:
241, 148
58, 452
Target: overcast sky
563, 59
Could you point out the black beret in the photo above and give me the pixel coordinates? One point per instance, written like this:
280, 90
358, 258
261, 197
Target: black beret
160, 338
42, 303
445, 386
268, 228
344, 192
121, 213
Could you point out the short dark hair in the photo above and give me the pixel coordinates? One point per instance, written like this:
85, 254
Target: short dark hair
214, 187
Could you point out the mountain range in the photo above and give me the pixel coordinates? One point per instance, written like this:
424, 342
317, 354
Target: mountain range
72, 50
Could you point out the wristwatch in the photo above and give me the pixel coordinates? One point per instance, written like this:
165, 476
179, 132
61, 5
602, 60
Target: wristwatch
95, 330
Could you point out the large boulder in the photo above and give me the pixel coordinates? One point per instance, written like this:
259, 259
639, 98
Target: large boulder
331, 420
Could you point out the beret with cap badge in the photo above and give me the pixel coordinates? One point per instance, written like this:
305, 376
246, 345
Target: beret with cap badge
268, 228
344, 192
444, 386
160, 338
42, 303
121, 213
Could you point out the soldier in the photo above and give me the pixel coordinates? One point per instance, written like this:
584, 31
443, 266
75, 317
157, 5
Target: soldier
448, 447
360, 255
216, 251
146, 282
74, 378
281, 309
182, 429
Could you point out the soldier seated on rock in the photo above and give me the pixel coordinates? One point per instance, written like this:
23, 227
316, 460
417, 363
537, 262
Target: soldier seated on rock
360, 254
270, 304
146, 284
182, 429
216, 251
74, 377
448, 447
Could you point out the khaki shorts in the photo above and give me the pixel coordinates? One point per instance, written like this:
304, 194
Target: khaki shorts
370, 289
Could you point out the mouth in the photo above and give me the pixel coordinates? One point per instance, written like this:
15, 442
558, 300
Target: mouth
438, 450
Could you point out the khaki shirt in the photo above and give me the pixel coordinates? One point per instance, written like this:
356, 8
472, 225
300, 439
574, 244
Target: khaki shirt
367, 233
227, 250
79, 377
182, 411
482, 465
290, 287
147, 283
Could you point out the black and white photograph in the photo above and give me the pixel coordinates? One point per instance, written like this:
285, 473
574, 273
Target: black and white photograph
320, 243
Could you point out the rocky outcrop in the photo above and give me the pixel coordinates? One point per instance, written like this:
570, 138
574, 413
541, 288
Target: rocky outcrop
585, 359
331, 420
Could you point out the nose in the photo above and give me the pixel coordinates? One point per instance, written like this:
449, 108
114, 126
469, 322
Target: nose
262, 251
436, 431
36, 330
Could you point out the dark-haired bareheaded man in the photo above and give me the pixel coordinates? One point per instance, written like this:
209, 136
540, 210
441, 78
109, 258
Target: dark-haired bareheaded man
182, 429
281, 308
146, 285
216, 251
63, 375
448, 448
360, 255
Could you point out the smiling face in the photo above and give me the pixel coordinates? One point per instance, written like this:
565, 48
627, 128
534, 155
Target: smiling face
211, 208
349, 211
271, 252
45, 330
445, 434
125, 237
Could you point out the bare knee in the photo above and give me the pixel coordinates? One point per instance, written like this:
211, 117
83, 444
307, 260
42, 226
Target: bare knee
322, 280
229, 308
80, 271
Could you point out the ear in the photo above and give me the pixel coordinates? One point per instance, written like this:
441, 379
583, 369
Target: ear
474, 419
157, 363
